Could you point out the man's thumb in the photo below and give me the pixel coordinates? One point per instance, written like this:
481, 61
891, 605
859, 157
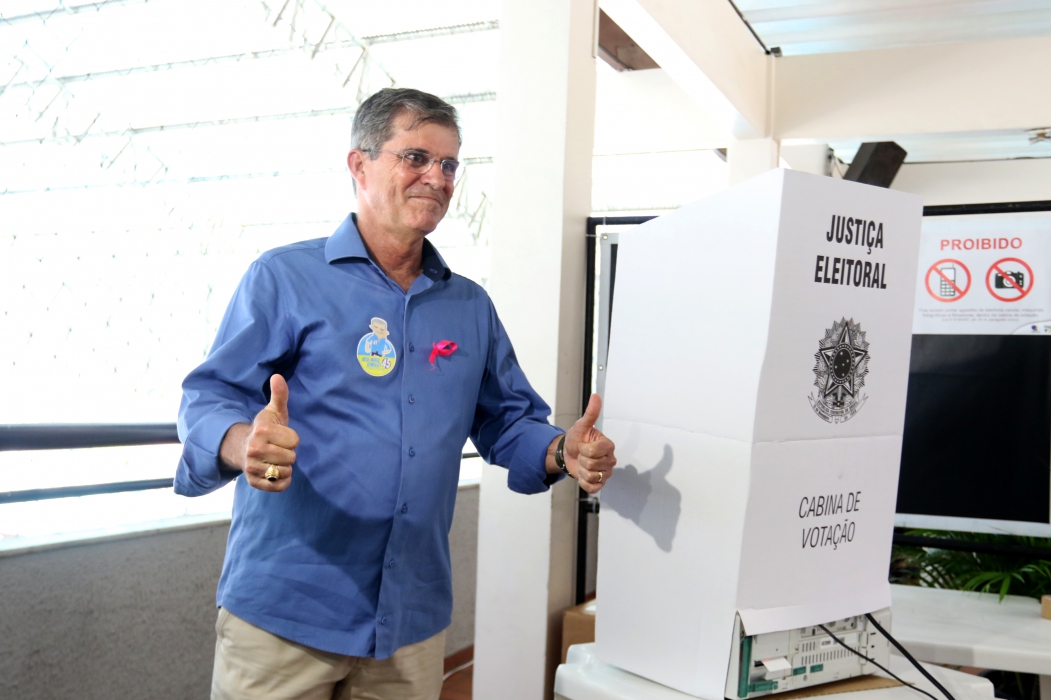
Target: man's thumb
591, 413
279, 398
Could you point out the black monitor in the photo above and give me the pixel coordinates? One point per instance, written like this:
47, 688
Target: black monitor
976, 450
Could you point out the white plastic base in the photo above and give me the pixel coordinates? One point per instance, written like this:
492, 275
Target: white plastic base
584, 676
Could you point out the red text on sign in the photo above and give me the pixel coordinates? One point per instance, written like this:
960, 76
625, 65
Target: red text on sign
980, 243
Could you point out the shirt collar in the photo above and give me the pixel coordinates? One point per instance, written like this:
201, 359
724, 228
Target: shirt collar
346, 243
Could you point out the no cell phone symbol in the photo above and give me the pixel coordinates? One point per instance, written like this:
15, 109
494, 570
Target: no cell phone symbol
948, 280
1009, 279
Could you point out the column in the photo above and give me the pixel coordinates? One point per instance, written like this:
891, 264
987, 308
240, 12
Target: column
546, 102
750, 157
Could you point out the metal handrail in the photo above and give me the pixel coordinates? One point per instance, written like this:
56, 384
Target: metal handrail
87, 490
71, 436
63, 436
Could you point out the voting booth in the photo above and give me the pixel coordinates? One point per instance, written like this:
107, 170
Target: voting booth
757, 373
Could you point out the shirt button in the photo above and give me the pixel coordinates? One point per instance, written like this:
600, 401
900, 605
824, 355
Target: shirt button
390, 564
412, 399
383, 620
412, 348
405, 508
412, 452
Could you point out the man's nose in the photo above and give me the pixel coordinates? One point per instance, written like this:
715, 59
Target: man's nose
434, 177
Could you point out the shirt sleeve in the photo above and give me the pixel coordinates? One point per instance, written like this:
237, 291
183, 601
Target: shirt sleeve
511, 426
228, 387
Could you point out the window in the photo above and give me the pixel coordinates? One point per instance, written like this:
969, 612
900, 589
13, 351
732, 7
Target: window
151, 151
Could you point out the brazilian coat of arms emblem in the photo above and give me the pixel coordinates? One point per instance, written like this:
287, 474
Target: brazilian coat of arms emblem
842, 363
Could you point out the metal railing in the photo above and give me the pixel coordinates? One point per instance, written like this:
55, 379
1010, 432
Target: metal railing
59, 436
71, 436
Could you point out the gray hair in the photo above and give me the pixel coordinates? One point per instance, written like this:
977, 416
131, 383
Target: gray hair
374, 121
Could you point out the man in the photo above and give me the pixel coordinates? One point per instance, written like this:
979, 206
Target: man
337, 578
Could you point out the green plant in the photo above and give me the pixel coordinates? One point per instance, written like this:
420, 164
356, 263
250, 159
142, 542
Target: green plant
972, 571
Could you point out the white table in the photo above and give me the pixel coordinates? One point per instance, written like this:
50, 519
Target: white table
584, 676
973, 629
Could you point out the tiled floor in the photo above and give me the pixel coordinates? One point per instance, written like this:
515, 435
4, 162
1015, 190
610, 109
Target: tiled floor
458, 685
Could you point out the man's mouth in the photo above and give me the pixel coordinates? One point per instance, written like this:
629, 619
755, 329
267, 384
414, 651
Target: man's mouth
426, 196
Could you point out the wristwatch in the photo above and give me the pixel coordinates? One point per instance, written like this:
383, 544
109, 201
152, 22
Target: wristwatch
560, 457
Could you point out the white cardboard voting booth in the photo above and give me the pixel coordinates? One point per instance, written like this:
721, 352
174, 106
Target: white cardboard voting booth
757, 370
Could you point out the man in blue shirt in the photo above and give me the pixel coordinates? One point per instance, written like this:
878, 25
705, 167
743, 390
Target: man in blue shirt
362, 360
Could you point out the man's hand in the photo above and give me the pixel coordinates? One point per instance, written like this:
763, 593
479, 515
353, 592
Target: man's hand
589, 453
267, 442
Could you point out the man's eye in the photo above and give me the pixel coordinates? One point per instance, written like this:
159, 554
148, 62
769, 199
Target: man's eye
416, 158
449, 167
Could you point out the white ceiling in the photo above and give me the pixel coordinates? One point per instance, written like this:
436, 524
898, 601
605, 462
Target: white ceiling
800, 27
93, 41
830, 26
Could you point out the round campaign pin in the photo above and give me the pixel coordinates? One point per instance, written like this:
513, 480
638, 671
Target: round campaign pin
1009, 279
948, 280
375, 352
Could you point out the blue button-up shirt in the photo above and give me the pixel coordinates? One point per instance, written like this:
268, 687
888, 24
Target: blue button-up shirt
353, 557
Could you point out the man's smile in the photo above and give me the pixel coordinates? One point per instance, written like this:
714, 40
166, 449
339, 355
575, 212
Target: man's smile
427, 196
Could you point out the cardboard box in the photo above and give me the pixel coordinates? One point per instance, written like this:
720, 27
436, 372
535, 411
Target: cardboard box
578, 626
758, 363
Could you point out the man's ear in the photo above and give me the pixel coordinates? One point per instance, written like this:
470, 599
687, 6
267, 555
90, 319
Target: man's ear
356, 165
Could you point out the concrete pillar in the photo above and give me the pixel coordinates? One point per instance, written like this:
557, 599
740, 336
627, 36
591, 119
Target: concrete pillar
526, 544
750, 157
808, 158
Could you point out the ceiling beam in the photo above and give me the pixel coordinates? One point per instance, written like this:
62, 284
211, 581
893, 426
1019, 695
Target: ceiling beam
63, 10
706, 48
430, 33
618, 49
964, 87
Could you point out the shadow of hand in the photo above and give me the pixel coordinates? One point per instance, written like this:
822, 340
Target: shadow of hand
647, 499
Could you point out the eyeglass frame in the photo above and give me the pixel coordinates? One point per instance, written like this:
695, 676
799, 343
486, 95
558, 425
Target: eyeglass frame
430, 161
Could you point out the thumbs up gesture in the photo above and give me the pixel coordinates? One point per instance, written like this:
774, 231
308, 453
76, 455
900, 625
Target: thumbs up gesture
589, 453
271, 444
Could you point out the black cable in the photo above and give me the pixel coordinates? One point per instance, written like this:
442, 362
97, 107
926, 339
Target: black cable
909, 656
876, 663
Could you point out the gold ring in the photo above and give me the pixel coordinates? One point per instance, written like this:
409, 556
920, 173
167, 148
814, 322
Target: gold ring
272, 473
601, 475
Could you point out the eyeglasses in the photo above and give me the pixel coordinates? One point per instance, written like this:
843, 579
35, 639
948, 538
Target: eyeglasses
420, 163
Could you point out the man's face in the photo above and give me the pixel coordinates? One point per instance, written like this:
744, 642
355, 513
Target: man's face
398, 198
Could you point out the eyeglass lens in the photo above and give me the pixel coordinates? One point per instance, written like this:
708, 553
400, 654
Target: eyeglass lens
421, 163
449, 169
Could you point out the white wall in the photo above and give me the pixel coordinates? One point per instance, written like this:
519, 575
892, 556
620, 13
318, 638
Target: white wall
645, 111
134, 617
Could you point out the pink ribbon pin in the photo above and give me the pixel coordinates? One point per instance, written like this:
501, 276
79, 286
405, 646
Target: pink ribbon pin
443, 348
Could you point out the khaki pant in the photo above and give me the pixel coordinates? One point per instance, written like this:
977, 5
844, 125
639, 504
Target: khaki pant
252, 663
